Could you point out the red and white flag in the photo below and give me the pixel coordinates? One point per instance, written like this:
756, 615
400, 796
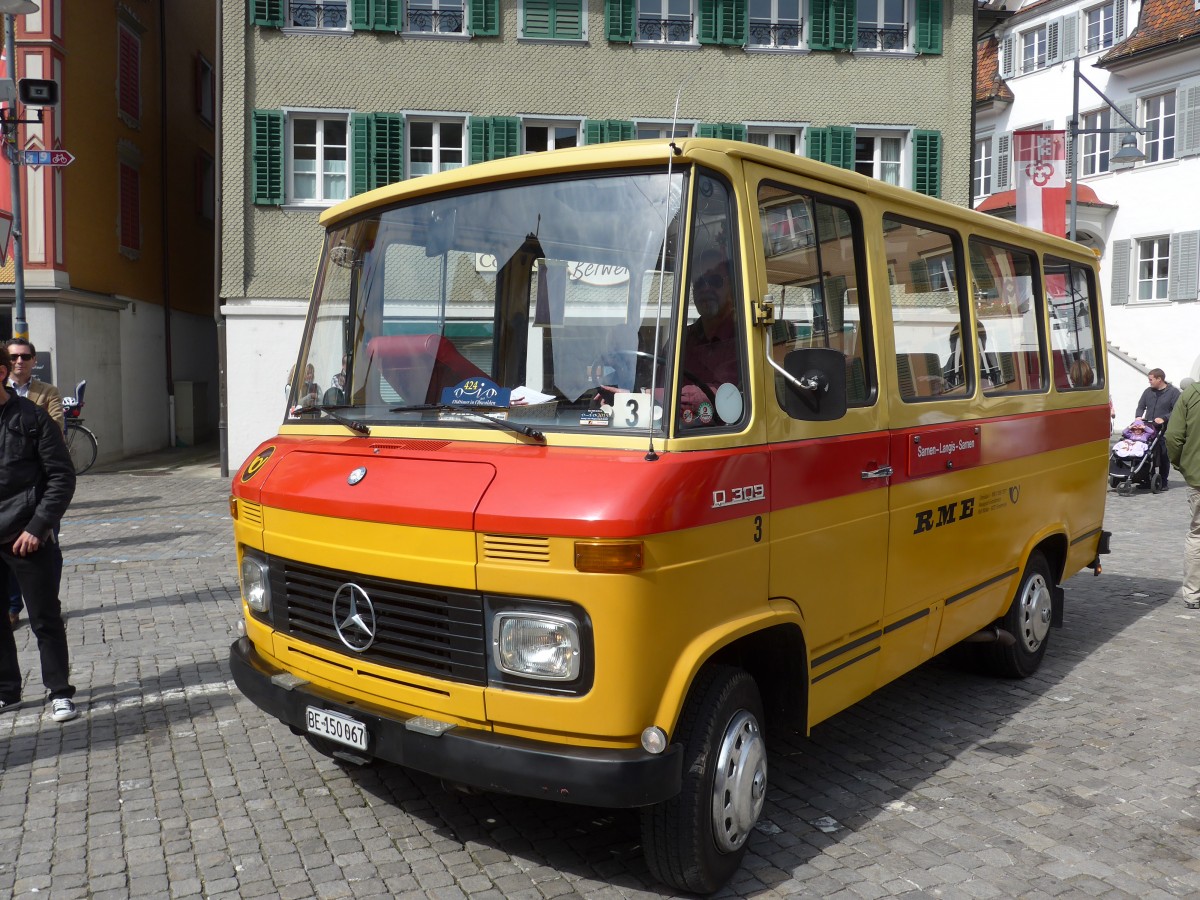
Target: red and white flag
1041, 170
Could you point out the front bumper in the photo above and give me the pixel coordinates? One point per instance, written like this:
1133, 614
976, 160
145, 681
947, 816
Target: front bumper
492, 762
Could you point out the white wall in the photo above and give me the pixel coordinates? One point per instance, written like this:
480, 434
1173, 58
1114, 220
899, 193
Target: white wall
262, 341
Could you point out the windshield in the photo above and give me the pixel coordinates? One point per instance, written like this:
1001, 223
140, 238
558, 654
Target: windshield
531, 302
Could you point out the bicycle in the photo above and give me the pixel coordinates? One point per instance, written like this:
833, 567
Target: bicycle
81, 442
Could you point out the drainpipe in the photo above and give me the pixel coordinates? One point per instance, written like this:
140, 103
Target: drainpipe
164, 218
222, 357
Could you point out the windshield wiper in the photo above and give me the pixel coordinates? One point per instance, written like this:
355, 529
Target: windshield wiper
517, 427
330, 409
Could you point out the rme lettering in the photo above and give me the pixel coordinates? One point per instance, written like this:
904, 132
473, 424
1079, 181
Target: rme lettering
954, 511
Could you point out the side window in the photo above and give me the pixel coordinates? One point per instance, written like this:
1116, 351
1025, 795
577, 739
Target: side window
1008, 308
1075, 356
928, 310
813, 247
712, 365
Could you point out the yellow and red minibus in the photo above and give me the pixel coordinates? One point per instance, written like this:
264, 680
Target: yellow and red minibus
611, 460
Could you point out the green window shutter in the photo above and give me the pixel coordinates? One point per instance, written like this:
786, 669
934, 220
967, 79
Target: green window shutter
385, 15
538, 19
618, 18
733, 22
568, 19
388, 149
704, 130
360, 14
602, 131
927, 165
266, 153
818, 26
619, 130
484, 17
479, 128
929, 26
360, 152
841, 146
593, 131
733, 131
843, 24
266, 12
818, 144
706, 33
504, 137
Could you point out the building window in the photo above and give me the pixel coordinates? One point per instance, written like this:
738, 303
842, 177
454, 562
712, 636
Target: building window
981, 172
1099, 24
325, 15
882, 25
1033, 50
434, 146
206, 186
775, 23
129, 74
550, 136
436, 17
317, 168
1154, 255
553, 19
205, 90
878, 156
1096, 147
785, 139
664, 21
130, 226
1160, 127
654, 131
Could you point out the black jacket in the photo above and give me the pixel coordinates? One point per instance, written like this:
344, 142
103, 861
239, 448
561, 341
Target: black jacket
37, 479
1157, 404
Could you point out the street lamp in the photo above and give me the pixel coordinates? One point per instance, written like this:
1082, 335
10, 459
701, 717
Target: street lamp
1128, 152
10, 9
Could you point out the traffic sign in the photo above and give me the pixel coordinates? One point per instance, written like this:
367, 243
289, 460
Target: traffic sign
46, 158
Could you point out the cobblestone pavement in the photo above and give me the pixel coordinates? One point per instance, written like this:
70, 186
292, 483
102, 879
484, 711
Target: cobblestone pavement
1081, 781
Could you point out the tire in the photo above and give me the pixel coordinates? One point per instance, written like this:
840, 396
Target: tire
1028, 620
81, 444
1113, 481
1155, 483
696, 840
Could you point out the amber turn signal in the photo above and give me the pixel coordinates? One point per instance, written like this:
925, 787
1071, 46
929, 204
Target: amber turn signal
233, 510
608, 556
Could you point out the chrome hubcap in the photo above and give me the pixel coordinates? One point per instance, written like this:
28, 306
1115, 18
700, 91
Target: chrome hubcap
1035, 608
739, 782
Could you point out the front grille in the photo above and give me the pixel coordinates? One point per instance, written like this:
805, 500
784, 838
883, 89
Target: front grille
418, 629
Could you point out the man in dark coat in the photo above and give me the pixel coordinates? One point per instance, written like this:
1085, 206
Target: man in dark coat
37, 482
1155, 405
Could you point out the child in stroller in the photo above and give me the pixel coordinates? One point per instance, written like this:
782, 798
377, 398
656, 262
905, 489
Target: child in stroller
1131, 461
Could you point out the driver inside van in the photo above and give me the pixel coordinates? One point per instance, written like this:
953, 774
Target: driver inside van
710, 345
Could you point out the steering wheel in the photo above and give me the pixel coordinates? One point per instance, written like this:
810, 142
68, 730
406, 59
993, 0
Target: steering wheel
693, 378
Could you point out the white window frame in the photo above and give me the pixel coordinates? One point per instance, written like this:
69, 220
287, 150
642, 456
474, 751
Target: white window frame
772, 131
876, 134
437, 121
1040, 37
318, 7
1105, 35
666, 13
1160, 147
772, 27
551, 125
656, 129
1156, 282
1095, 149
434, 9
320, 117
908, 15
983, 170
942, 276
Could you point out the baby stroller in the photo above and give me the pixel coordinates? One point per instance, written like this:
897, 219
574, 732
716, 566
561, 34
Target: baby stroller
1131, 461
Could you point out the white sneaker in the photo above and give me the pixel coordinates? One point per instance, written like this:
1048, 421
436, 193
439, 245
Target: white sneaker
63, 710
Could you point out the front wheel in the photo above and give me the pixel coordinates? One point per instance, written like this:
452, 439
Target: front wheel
1028, 620
696, 840
1155, 483
81, 444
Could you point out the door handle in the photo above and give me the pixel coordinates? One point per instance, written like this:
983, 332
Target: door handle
881, 472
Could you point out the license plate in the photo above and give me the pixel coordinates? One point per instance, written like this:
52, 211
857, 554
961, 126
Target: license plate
337, 727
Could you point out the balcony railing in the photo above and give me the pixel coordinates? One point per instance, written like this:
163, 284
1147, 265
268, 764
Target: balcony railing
318, 15
765, 33
440, 21
892, 37
675, 30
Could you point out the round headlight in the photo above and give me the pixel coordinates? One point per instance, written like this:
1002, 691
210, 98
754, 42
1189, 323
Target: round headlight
535, 646
256, 587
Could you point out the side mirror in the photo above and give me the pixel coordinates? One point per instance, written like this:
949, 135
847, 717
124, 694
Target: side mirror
815, 384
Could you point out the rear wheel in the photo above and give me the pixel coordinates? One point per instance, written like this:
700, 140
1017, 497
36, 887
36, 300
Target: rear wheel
1155, 482
1028, 620
696, 840
81, 444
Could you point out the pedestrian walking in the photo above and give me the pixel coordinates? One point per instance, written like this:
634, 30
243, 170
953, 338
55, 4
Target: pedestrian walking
37, 482
1155, 405
1183, 449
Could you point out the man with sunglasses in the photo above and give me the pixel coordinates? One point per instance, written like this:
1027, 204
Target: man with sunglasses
24, 359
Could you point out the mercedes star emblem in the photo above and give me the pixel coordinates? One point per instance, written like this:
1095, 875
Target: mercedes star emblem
357, 475
354, 617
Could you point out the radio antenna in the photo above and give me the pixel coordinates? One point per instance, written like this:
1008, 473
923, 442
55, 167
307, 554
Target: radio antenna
651, 456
